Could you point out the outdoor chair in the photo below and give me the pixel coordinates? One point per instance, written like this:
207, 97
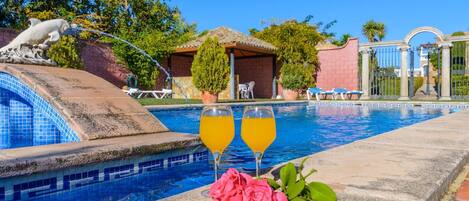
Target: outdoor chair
316, 91
251, 89
243, 91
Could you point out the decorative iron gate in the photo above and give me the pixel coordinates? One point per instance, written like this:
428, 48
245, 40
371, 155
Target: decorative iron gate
384, 72
459, 70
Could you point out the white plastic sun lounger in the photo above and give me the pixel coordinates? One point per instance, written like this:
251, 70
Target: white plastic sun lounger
159, 94
131, 91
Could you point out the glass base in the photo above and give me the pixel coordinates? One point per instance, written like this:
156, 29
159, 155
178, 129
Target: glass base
205, 193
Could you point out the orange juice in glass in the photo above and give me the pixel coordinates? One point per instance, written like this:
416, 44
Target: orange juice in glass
258, 130
217, 131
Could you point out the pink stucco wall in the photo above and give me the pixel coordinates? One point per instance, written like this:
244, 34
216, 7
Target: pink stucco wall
339, 67
97, 58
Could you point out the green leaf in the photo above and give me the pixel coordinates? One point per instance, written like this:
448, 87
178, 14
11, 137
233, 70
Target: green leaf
273, 183
295, 189
288, 174
302, 164
321, 192
309, 173
299, 199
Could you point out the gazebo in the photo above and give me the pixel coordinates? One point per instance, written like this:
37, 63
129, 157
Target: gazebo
251, 59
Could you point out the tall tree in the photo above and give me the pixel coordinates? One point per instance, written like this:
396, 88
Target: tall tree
12, 13
374, 31
296, 51
152, 25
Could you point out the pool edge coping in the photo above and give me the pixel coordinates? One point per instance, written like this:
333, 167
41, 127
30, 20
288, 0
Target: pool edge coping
365, 102
35, 159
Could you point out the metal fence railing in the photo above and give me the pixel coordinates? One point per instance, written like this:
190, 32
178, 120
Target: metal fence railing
385, 72
459, 70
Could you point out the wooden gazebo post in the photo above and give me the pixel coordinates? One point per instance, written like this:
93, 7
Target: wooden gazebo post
232, 75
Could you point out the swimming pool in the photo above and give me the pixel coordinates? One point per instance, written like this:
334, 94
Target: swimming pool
301, 130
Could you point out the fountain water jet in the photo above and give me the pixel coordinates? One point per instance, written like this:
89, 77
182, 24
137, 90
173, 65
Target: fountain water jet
75, 27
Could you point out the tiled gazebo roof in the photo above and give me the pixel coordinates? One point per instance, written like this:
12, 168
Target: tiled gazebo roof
230, 39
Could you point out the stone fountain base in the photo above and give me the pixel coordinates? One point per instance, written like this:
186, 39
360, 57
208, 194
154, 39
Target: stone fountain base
26, 54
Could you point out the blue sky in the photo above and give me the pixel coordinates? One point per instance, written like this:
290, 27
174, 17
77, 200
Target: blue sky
400, 16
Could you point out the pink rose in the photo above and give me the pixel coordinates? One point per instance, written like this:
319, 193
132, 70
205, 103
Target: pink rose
257, 190
229, 186
279, 196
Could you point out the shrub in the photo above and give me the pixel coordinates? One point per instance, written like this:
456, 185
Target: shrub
296, 51
392, 86
210, 69
66, 53
418, 82
295, 76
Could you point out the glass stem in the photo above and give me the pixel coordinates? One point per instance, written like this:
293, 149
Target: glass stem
258, 156
216, 163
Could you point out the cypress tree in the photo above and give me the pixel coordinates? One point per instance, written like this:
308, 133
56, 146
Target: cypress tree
210, 68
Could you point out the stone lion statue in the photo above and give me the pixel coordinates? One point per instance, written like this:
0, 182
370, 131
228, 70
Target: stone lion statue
30, 46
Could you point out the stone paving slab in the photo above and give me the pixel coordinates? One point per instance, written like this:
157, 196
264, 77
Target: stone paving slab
413, 163
29, 160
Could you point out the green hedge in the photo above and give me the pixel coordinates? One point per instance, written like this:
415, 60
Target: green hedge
460, 85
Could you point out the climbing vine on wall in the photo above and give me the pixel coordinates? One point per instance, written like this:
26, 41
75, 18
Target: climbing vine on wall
66, 53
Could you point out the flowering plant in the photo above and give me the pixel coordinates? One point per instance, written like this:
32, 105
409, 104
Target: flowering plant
236, 186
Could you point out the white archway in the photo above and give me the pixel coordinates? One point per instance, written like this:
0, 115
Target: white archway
443, 42
439, 34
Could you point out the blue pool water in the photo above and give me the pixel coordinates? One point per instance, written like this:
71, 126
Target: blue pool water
301, 130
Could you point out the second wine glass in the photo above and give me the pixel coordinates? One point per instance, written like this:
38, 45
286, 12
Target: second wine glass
258, 130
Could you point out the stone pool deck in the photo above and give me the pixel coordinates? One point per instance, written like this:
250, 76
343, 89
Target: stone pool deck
417, 162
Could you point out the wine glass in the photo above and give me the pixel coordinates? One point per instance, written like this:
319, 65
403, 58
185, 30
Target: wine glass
217, 131
258, 130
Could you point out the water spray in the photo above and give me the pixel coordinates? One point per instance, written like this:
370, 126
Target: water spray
169, 78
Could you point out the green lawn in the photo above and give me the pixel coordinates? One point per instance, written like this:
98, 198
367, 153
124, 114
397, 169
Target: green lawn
175, 101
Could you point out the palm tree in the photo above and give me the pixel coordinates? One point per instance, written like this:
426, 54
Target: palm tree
342, 40
374, 31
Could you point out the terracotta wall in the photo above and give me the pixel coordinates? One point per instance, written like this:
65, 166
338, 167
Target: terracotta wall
259, 70
6, 35
339, 67
97, 58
